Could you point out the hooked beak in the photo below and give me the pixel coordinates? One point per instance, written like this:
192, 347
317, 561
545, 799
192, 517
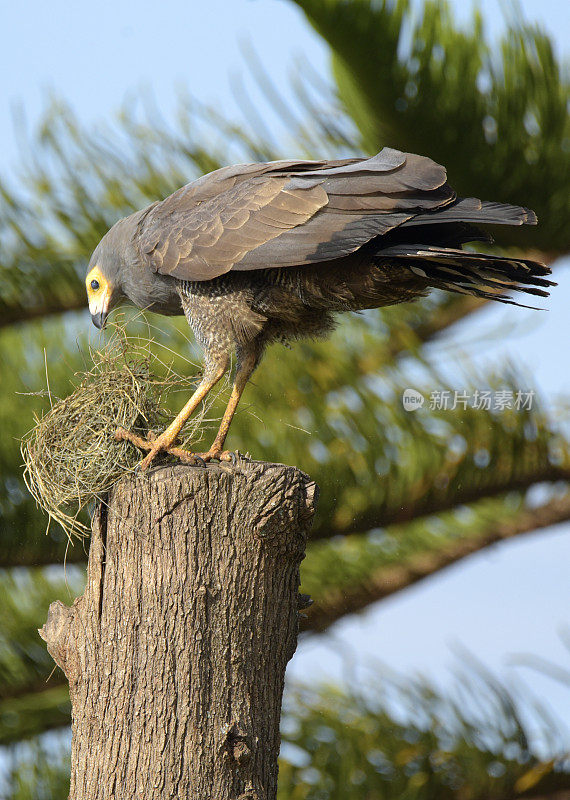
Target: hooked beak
99, 308
99, 319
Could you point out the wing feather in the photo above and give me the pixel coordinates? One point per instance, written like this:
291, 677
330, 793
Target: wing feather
286, 213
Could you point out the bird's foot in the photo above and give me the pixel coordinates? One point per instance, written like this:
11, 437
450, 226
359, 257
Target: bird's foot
155, 445
217, 454
165, 444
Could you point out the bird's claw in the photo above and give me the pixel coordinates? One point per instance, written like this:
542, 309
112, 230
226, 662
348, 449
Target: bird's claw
146, 462
154, 445
218, 455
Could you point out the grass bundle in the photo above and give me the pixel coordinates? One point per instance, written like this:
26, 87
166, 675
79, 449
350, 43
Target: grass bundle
71, 456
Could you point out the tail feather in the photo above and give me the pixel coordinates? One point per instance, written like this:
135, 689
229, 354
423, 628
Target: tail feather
470, 209
479, 274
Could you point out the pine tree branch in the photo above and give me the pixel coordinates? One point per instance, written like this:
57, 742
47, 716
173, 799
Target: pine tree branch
452, 310
15, 314
437, 501
389, 580
30, 715
35, 553
412, 80
44, 683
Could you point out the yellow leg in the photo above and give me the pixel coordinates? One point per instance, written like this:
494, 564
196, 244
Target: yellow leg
165, 441
242, 376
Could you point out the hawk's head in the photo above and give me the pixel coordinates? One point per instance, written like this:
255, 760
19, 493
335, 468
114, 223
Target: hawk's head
105, 274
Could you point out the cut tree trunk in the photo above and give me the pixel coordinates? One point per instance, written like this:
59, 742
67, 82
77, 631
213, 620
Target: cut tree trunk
176, 652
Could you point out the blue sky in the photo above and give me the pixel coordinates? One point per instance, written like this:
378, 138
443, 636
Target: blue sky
512, 598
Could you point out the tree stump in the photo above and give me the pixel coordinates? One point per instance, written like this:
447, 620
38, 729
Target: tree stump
176, 652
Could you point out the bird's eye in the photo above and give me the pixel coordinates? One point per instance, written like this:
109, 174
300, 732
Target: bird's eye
94, 285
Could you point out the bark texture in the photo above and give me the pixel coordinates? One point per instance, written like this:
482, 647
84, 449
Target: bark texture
176, 652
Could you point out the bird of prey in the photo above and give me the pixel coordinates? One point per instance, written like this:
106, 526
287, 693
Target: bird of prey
258, 253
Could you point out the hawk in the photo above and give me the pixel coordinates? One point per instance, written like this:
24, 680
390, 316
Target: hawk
258, 253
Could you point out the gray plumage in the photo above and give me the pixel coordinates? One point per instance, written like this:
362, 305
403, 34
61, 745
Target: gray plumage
261, 252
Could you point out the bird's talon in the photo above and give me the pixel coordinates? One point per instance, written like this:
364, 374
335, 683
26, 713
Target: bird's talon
226, 455
200, 461
144, 464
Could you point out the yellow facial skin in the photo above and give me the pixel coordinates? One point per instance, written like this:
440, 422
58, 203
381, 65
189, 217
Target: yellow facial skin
99, 296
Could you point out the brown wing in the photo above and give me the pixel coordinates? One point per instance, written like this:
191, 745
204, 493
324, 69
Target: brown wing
286, 213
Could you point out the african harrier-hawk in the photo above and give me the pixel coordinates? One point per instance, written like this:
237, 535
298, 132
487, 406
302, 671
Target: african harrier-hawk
258, 253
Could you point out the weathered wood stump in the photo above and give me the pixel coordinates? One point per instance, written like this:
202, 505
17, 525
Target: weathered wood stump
176, 652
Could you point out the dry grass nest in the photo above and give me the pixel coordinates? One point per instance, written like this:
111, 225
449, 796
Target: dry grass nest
71, 456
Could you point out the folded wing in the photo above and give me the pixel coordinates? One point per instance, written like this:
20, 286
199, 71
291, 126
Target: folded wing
286, 213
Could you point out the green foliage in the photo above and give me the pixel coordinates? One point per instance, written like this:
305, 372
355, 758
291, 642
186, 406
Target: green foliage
375, 462
497, 117
408, 741
24, 353
33, 693
38, 770
343, 563
396, 738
